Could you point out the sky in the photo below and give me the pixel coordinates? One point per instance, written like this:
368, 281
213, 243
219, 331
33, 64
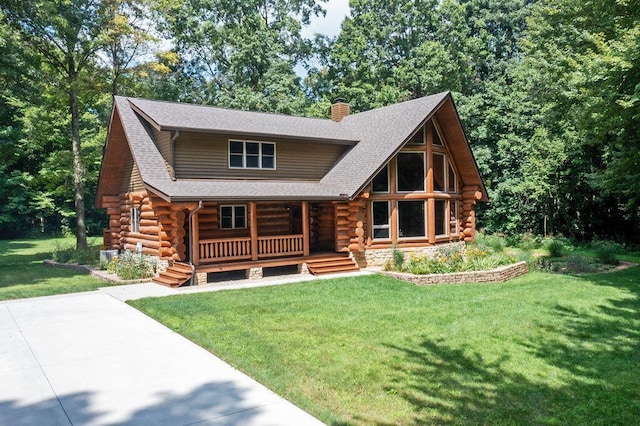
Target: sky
329, 24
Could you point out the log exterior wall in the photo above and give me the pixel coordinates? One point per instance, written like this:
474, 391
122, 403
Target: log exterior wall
161, 227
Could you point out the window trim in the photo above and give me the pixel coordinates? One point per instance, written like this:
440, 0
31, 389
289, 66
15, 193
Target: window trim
244, 154
386, 226
424, 137
424, 170
388, 191
453, 217
135, 219
233, 217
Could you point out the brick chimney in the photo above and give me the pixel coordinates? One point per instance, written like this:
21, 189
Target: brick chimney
339, 109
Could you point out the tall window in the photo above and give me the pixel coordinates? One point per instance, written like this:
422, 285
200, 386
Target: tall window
441, 217
380, 216
252, 155
410, 171
453, 217
411, 219
380, 183
439, 182
135, 219
452, 184
233, 217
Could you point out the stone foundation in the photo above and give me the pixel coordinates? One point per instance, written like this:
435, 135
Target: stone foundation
372, 257
303, 269
498, 275
200, 278
254, 273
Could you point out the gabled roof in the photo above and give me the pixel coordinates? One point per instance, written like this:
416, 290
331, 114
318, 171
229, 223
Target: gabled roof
377, 135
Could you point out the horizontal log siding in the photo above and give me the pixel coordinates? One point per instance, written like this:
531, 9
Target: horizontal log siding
273, 219
131, 179
201, 155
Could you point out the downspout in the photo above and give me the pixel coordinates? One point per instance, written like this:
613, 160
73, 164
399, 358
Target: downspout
191, 240
172, 147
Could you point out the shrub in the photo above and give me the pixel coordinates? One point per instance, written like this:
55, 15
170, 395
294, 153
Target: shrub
544, 264
606, 251
579, 264
398, 259
132, 266
454, 260
528, 241
496, 243
555, 247
67, 253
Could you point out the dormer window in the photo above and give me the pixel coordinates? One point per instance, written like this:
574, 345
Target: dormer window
252, 155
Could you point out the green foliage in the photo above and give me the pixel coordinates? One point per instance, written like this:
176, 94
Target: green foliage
606, 251
577, 264
471, 259
398, 258
555, 247
69, 253
132, 266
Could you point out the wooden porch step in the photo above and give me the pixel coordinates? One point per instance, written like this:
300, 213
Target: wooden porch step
331, 265
176, 275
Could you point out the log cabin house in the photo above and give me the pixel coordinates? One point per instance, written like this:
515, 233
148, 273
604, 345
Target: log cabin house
209, 189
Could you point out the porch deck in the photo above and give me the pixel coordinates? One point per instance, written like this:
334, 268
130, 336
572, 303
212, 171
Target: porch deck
268, 263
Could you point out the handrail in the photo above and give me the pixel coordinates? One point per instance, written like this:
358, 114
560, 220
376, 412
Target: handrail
224, 249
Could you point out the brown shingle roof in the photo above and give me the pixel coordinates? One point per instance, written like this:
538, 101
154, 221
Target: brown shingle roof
379, 134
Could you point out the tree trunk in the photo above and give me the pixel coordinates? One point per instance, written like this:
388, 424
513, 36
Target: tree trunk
78, 169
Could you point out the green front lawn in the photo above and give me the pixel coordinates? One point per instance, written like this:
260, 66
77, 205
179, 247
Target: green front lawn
541, 349
22, 273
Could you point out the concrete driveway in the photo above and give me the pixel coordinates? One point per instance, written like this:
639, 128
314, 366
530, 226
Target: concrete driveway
89, 359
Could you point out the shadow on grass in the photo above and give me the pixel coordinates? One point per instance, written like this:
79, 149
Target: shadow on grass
12, 253
36, 273
589, 375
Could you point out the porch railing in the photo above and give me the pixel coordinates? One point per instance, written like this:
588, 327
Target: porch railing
280, 245
225, 249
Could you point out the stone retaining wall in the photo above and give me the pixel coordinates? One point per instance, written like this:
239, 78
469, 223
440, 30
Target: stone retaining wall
498, 275
372, 257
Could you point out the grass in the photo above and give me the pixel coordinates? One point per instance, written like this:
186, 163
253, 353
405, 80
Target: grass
541, 349
22, 273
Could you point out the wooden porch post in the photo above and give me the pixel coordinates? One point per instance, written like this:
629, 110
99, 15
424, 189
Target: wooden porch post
195, 239
431, 202
305, 227
253, 226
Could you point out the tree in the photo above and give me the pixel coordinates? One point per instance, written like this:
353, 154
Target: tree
246, 51
589, 51
66, 34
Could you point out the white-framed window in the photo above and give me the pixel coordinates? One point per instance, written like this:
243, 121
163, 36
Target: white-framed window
380, 183
252, 155
412, 219
410, 171
452, 181
439, 172
442, 224
453, 217
233, 217
135, 219
380, 213
418, 137
437, 140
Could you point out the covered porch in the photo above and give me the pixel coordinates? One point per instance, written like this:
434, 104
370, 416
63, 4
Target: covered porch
251, 232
